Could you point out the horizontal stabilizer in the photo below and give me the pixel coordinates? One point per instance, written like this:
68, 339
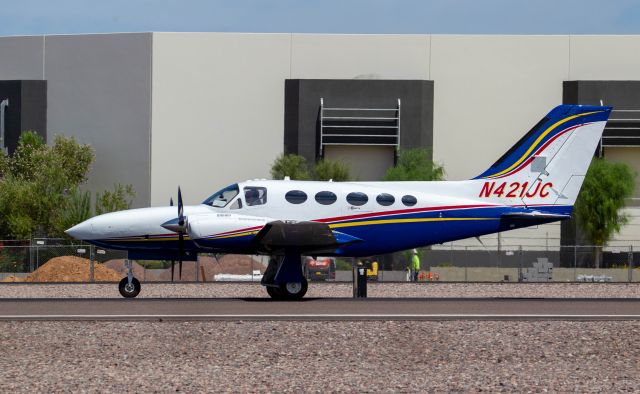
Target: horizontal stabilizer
535, 215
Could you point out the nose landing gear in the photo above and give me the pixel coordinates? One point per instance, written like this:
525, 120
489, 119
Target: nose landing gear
129, 286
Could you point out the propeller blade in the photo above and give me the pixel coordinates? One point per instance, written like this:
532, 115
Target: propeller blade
181, 251
180, 208
173, 264
171, 201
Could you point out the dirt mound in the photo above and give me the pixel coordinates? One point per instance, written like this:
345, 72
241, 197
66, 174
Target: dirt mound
76, 269
12, 278
71, 269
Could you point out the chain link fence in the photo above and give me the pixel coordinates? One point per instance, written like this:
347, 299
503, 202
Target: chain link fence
71, 262
524, 263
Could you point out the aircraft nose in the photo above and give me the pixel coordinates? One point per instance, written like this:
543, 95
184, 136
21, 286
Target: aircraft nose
80, 231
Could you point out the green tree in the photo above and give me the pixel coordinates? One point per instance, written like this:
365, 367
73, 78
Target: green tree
337, 171
39, 187
293, 166
77, 209
117, 200
415, 165
297, 168
36, 182
598, 208
4, 164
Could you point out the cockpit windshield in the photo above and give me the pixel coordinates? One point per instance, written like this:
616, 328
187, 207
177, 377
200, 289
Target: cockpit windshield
223, 197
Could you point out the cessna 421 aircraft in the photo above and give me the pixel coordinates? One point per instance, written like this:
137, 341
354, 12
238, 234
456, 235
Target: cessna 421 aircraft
536, 181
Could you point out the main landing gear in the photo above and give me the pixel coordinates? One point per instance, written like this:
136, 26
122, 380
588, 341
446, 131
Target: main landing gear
129, 286
284, 278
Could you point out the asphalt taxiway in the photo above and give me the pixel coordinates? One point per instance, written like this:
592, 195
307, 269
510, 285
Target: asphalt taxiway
348, 309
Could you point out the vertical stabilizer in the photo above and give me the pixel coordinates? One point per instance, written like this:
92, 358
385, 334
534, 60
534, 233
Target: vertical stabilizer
547, 166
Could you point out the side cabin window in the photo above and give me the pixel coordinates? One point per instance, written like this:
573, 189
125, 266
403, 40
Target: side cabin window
385, 199
254, 195
221, 198
326, 198
357, 198
296, 196
409, 200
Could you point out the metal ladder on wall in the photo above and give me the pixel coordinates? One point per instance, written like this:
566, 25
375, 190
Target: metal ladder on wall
359, 126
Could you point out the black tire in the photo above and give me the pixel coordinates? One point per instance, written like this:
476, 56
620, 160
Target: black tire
129, 291
274, 293
294, 291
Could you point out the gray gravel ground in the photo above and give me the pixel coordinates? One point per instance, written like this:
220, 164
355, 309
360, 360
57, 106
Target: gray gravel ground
458, 356
225, 289
375, 356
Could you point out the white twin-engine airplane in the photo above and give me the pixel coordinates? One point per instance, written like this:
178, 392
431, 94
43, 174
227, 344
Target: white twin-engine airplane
537, 181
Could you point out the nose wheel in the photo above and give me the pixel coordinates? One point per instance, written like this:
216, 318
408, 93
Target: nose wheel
129, 290
129, 286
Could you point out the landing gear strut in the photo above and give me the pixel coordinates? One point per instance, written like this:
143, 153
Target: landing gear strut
129, 286
284, 278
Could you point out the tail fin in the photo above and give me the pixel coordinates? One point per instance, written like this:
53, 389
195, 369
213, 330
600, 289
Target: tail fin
548, 165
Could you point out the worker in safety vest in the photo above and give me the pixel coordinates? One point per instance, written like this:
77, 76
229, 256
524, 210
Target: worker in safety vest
415, 265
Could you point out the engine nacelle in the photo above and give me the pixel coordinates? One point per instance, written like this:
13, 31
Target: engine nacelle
211, 230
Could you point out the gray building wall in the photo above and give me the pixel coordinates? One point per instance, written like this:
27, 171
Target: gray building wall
22, 57
100, 93
218, 110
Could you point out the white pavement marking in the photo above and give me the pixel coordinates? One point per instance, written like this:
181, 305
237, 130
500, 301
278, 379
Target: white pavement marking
321, 316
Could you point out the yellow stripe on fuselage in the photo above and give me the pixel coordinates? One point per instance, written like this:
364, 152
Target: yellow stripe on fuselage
143, 239
235, 235
540, 138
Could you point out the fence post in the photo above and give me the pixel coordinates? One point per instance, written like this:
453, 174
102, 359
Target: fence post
521, 263
31, 256
630, 263
466, 261
575, 263
198, 269
92, 258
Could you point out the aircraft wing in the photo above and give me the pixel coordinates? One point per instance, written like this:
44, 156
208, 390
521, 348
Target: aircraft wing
303, 236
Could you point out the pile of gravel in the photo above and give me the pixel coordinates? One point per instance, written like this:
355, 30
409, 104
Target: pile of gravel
460, 356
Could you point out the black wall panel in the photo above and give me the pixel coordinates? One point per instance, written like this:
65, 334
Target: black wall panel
27, 109
302, 108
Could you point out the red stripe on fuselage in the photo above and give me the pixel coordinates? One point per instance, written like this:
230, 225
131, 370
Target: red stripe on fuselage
402, 212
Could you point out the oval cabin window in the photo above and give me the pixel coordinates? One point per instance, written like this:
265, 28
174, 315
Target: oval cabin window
326, 198
409, 200
357, 198
385, 199
296, 196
